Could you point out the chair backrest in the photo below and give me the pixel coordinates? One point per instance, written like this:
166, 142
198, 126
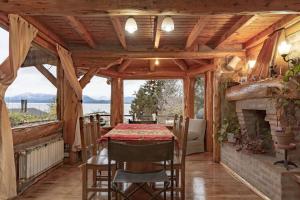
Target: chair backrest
197, 129
142, 122
124, 152
177, 126
183, 138
88, 134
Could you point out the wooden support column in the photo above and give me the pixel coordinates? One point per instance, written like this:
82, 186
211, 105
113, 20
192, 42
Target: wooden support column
60, 92
216, 117
189, 95
209, 110
117, 105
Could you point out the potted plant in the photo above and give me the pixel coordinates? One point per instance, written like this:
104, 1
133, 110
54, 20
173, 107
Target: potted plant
229, 130
287, 103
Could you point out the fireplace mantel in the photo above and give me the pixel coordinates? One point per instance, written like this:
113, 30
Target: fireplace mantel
267, 88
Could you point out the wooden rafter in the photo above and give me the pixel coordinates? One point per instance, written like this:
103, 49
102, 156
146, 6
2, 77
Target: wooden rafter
124, 65
284, 22
202, 21
119, 29
150, 7
181, 64
47, 74
242, 22
81, 30
157, 29
205, 54
201, 62
152, 65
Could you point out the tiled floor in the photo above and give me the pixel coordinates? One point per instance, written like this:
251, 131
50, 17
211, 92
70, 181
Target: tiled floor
205, 180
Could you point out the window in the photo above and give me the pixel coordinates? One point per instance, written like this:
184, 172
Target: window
31, 97
199, 97
96, 99
164, 98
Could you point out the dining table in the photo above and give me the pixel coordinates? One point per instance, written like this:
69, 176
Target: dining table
139, 134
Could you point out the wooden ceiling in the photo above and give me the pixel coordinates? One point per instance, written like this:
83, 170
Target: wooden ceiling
204, 30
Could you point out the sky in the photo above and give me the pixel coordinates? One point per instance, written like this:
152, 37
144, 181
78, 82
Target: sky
30, 80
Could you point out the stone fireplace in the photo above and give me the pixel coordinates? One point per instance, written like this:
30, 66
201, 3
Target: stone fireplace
259, 118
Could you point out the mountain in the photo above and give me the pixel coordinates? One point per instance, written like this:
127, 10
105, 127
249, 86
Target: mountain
50, 98
32, 98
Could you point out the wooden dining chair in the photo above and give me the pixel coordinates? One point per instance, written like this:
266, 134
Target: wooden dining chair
121, 152
179, 156
92, 158
179, 160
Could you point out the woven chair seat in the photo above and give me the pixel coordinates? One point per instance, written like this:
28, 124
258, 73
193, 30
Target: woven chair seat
123, 176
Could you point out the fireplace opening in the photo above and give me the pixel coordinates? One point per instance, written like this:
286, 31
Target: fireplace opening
258, 132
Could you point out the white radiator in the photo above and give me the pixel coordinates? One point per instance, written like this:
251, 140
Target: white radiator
35, 160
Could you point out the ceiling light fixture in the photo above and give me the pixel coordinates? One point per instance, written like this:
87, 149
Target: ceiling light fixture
131, 25
167, 24
156, 62
251, 64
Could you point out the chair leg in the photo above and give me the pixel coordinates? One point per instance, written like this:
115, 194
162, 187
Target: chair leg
177, 178
182, 187
95, 177
84, 182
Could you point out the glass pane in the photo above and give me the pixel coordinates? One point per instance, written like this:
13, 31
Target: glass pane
199, 97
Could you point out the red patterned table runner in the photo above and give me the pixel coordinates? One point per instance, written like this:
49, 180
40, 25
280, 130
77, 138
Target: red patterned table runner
136, 132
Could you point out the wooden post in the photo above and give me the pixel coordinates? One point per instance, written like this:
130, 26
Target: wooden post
209, 110
60, 92
216, 117
117, 102
189, 96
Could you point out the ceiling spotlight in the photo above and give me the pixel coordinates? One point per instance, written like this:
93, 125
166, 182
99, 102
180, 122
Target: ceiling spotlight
131, 25
167, 24
156, 62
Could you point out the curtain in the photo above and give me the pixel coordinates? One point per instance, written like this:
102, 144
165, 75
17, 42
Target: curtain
72, 100
20, 38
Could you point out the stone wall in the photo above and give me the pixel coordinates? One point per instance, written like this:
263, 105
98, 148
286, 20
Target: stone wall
258, 170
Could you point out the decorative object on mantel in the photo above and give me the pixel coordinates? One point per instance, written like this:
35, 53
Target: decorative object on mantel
286, 148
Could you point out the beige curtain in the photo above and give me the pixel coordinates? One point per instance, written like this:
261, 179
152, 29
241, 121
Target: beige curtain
72, 100
20, 38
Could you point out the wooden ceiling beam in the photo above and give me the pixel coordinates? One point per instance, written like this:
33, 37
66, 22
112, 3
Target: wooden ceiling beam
125, 64
201, 70
181, 64
205, 54
119, 29
149, 7
47, 74
157, 30
81, 30
197, 29
152, 65
242, 22
282, 23
117, 62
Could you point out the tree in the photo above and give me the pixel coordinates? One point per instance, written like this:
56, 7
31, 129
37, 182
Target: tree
199, 97
163, 97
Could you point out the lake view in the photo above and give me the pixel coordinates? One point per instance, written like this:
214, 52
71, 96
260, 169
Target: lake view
87, 107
